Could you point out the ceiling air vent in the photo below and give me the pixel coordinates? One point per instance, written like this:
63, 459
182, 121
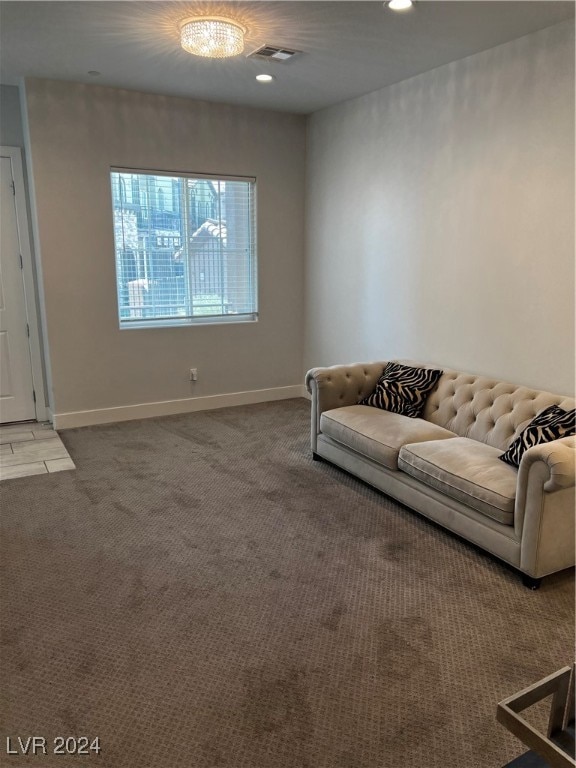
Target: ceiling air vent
273, 52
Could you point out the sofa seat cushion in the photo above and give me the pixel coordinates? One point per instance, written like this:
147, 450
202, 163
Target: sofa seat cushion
378, 434
467, 471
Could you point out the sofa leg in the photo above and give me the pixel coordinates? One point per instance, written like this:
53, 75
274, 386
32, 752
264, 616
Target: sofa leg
530, 581
316, 456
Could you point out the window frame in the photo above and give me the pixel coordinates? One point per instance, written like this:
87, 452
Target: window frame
198, 320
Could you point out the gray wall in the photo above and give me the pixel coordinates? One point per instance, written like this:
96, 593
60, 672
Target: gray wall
11, 134
76, 133
441, 218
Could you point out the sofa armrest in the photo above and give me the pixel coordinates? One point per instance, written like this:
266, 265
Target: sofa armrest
338, 386
544, 517
560, 459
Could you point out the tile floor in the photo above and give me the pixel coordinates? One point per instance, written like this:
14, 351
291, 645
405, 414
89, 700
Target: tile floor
31, 449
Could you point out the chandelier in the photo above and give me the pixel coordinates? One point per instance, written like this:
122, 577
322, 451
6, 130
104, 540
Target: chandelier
212, 36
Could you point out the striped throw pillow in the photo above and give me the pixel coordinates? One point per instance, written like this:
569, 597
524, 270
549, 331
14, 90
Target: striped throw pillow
550, 424
402, 389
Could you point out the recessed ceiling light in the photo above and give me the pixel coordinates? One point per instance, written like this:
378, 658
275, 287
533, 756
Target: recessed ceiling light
399, 5
265, 78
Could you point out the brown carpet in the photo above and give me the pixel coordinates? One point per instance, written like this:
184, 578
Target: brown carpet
199, 593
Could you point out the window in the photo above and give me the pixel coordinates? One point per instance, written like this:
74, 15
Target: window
184, 247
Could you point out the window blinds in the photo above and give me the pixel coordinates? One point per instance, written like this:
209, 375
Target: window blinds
184, 247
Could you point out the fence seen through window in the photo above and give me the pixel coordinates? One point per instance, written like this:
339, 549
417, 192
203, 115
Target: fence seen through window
185, 248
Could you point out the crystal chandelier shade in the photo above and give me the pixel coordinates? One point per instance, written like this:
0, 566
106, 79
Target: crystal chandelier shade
212, 36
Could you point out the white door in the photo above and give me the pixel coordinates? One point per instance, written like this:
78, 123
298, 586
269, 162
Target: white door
16, 386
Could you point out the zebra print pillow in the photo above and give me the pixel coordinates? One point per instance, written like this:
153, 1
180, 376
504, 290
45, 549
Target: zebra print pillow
402, 389
550, 424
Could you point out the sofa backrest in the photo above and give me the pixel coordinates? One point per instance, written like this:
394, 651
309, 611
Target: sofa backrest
485, 409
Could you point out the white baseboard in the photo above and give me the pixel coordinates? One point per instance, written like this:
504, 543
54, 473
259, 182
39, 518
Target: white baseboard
172, 407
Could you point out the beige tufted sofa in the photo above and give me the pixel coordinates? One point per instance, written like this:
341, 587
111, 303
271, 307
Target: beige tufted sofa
445, 465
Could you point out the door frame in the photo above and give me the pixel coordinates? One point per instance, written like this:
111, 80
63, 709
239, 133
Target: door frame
15, 155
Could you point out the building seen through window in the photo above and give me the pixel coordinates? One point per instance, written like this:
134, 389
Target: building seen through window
184, 247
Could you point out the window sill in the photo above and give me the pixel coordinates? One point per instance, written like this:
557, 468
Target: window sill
188, 322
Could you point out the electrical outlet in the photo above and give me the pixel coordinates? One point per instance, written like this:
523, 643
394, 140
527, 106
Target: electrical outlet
193, 374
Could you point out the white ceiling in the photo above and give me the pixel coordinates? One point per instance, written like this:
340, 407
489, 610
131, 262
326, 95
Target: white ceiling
349, 47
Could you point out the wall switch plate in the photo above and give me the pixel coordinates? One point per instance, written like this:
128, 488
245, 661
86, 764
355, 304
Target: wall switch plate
193, 374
